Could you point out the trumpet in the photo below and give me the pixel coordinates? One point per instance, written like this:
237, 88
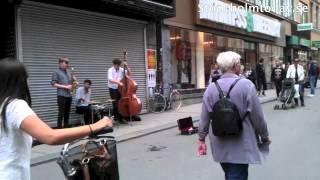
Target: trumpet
74, 82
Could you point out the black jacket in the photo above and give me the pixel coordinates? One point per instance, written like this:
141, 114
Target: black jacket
260, 71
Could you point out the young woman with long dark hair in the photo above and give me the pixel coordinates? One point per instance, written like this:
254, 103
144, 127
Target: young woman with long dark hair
18, 123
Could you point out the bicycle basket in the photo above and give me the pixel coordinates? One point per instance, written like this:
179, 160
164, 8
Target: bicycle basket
75, 157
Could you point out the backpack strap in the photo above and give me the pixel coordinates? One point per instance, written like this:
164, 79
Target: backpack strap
221, 94
231, 87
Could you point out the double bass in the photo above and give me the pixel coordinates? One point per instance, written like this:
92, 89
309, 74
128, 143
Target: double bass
129, 104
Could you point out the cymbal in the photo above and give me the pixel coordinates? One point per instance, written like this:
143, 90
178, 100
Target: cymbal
95, 102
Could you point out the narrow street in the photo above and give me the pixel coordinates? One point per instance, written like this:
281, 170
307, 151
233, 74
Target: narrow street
171, 156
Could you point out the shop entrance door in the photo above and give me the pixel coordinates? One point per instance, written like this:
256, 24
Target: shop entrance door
250, 57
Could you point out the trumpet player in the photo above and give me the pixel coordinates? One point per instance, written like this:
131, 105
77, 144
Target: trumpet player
63, 82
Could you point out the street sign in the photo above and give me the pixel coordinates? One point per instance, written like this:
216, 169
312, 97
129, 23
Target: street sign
305, 27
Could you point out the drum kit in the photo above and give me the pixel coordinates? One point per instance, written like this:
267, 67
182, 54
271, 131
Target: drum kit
100, 109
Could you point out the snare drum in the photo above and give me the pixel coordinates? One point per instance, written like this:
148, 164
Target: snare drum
98, 111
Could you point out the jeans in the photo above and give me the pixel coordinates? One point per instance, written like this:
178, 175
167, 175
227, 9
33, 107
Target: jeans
235, 171
312, 82
64, 104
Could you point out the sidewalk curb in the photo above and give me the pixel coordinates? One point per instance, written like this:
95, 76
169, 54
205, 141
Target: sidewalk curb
123, 138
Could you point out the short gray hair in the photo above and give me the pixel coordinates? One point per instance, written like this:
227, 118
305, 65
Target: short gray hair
227, 60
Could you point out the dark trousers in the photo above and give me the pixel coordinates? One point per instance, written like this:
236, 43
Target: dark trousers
262, 82
235, 171
278, 84
115, 95
86, 111
64, 104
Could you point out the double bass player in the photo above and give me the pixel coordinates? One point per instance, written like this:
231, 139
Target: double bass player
115, 75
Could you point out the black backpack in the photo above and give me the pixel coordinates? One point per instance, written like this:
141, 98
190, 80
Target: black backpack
225, 116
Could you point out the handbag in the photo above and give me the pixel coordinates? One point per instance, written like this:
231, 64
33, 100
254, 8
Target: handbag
97, 157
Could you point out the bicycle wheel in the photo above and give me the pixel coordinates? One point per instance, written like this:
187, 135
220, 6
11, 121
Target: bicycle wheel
158, 103
175, 100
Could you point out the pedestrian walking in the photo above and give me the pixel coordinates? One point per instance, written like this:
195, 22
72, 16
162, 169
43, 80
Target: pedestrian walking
313, 72
241, 73
215, 73
261, 77
296, 72
250, 74
233, 152
62, 80
277, 75
19, 124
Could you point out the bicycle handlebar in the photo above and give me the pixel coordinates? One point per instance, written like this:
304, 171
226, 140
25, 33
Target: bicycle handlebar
103, 131
93, 136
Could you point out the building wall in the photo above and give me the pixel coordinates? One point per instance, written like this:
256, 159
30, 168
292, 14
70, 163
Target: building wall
212, 38
184, 13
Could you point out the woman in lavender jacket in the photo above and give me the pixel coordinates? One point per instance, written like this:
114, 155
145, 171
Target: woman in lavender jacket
234, 153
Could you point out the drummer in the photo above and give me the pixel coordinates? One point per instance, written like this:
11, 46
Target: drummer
83, 97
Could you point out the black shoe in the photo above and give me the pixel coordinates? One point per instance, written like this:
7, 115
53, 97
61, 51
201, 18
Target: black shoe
136, 118
302, 105
263, 94
122, 121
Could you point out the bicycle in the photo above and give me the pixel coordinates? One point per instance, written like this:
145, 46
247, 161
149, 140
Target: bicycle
159, 102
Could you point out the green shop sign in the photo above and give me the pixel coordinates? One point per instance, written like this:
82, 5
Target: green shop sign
316, 44
293, 40
249, 18
305, 27
305, 42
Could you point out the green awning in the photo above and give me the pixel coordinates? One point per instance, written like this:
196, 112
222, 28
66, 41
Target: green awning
293, 40
316, 44
305, 42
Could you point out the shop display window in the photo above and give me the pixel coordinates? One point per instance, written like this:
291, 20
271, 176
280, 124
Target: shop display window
183, 57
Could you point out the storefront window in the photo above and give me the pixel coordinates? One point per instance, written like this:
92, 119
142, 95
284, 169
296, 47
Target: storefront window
265, 52
302, 55
210, 53
213, 45
183, 57
250, 54
277, 54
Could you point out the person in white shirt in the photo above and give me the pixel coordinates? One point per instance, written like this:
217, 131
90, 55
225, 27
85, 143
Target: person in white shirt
83, 98
19, 123
115, 75
296, 72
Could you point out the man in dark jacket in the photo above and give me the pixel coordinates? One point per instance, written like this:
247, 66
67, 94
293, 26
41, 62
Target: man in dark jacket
261, 77
313, 75
277, 75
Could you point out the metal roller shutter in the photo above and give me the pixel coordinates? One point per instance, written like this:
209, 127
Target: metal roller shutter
89, 40
10, 44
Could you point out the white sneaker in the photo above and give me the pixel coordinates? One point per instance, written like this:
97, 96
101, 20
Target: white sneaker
310, 95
